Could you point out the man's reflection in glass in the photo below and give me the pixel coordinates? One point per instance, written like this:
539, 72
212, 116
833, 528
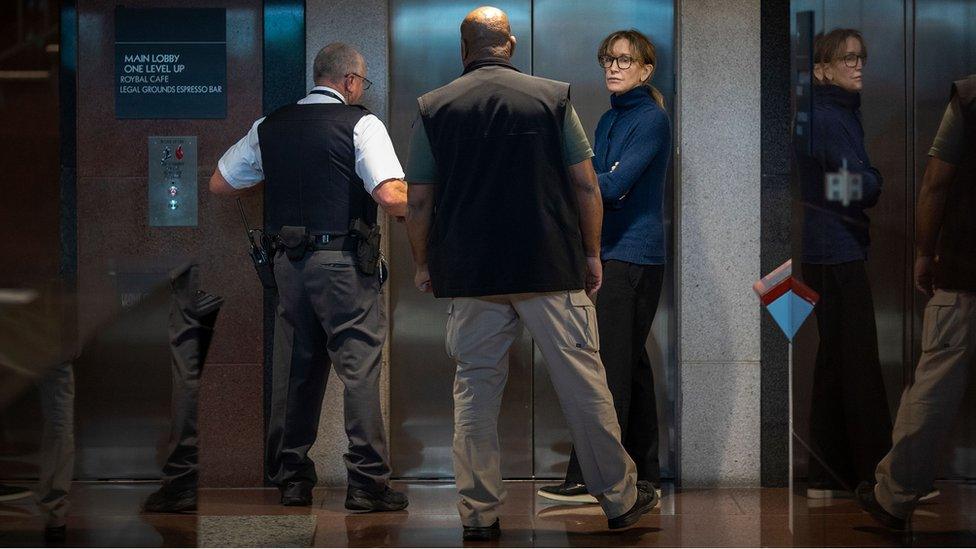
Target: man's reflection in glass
945, 270
193, 314
33, 335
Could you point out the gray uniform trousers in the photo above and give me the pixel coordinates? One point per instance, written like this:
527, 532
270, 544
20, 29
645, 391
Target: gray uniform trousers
327, 313
190, 334
929, 406
57, 391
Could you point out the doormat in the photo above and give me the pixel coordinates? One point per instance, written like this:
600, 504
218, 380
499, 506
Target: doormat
256, 531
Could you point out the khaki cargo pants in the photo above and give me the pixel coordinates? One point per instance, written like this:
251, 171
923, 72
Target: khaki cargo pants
563, 325
929, 406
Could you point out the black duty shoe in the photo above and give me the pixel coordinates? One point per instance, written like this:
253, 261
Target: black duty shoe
55, 534
869, 503
170, 500
483, 533
296, 494
387, 499
646, 500
570, 492
11, 493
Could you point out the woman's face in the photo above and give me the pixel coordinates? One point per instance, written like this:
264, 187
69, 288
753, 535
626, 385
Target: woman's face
845, 70
623, 80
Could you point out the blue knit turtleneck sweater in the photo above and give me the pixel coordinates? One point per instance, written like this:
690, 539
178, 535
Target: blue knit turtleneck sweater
633, 149
834, 233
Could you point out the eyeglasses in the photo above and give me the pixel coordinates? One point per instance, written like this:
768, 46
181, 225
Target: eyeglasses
851, 60
366, 81
623, 61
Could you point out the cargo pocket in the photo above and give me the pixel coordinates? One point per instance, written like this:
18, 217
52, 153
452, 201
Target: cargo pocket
581, 328
450, 334
943, 329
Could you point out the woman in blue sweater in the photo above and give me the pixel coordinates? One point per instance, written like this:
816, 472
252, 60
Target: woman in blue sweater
632, 152
850, 425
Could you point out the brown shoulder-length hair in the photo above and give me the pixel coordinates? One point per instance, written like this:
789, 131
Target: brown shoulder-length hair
827, 47
644, 52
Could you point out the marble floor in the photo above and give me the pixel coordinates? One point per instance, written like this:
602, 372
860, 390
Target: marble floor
103, 514
689, 518
107, 515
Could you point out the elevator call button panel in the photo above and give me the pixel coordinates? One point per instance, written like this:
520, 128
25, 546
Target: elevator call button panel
173, 181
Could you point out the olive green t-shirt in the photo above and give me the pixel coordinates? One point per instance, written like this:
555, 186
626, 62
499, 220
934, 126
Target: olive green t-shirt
421, 168
950, 141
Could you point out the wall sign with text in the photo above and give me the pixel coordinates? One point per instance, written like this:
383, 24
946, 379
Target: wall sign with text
170, 62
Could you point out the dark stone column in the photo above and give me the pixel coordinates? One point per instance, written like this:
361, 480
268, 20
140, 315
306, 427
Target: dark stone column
776, 207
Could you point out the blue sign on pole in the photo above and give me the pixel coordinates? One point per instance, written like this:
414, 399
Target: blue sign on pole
170, 63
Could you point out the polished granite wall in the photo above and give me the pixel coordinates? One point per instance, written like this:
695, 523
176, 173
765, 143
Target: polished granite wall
114, 236
718, 244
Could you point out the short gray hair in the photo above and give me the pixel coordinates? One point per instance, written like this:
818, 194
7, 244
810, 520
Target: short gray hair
335, 61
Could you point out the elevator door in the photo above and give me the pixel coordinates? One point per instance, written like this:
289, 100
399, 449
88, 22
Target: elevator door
556, 39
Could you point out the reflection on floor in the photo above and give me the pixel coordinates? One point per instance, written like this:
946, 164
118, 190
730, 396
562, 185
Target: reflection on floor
106, 514
693, 517
102, 515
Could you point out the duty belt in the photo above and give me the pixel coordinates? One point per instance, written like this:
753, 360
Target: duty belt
324, 241
336, 242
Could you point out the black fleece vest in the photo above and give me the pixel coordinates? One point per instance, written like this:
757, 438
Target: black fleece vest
309, 162
506, 218
956, 250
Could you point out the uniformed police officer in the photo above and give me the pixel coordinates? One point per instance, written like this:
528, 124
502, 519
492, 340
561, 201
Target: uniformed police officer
326, 163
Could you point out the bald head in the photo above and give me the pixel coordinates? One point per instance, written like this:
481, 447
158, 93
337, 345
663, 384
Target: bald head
485, 32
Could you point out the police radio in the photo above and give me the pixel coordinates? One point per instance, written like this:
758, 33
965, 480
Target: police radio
259, 252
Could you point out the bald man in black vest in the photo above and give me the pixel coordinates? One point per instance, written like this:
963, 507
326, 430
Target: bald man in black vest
504, 217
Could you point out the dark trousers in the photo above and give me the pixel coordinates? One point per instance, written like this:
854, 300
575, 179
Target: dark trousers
328, 313
625, 309
850, 424
190, 334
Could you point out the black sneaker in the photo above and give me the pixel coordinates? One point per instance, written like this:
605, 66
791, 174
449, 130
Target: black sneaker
387, 499
483, 533
11, 493
571, 492
646, 500
296, 494
869, 503
170, 500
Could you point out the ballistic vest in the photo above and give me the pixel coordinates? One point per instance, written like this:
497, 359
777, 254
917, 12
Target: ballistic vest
309, 162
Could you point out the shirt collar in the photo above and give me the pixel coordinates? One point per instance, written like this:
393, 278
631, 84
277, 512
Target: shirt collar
318, 98
488, 61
